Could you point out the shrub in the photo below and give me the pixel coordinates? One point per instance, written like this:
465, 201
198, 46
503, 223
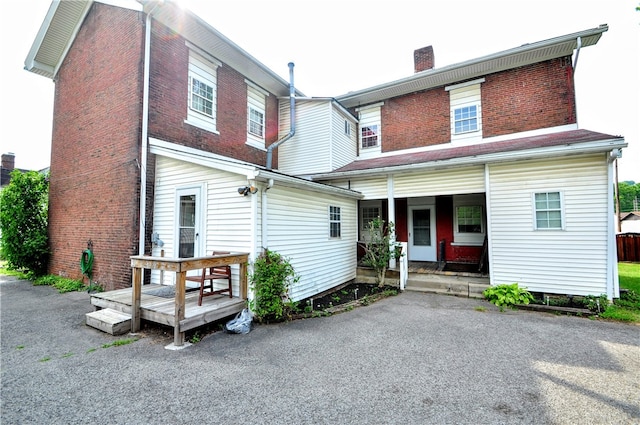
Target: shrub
23, 220
272, 276
507, 295
378, 251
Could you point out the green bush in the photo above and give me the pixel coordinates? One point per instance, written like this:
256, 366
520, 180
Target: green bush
272, 276
378, 250
507, 295
23, 220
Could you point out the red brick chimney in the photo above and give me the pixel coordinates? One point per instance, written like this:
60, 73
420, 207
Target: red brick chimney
8, 161
423, 59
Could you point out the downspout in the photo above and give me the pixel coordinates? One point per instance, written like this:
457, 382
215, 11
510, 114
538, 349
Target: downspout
265, 216
292, 121
145, 132
613, 286
575, 61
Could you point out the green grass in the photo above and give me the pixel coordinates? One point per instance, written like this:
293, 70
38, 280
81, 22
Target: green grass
629, 276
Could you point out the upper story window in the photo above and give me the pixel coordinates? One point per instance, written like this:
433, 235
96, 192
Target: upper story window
465, 119
347, 128
202, 91
256, 113
370, 135
466, 110
335, 222
548, 210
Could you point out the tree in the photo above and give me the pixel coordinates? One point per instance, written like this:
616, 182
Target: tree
378, 250
629, 196
23, 220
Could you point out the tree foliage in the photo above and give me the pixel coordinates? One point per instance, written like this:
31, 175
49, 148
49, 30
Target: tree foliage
23, 220
377, 248
629, 196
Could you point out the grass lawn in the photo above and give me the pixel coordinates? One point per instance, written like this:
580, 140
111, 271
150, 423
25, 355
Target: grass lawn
629, 276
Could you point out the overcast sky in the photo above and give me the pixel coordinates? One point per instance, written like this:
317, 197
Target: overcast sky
344, 45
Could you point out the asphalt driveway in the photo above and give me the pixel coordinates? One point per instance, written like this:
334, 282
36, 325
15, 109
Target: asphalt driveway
411, 359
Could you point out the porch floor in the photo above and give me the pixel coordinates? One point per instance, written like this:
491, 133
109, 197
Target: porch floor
157, 304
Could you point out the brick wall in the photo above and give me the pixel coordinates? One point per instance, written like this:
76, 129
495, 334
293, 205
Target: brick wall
528, 98
522, 99
94, 183
168, 103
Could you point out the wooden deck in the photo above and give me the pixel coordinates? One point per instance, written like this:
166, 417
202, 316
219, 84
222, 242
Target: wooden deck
157, 304
179, 308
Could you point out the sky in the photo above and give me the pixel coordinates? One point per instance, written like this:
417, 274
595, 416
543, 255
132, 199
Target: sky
345, 45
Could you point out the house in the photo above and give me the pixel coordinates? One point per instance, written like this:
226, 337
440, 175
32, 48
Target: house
630, 222
483, 156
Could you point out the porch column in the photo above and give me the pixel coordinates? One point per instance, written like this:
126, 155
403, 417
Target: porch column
392, 218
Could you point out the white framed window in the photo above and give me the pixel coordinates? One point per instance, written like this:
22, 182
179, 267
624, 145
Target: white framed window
202, 92
548, 211
347, 128
469, 221
335, 222
466, 110
465, 119
256, 115
369, 211
370, 134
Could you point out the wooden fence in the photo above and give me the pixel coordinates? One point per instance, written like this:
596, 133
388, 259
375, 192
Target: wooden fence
628, 247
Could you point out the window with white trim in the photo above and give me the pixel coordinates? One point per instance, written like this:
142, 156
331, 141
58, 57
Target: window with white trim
469, 220
335, 222
202, 92
256, 107
347, 128
466, 110
548, 210
370, 128
465, 119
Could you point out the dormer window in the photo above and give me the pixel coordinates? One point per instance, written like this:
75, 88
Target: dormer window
370, 135
465, 119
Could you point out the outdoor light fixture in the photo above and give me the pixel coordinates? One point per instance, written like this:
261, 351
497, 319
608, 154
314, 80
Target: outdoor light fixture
245, 190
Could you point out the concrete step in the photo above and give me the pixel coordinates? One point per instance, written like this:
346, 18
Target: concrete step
463, 286
110, 321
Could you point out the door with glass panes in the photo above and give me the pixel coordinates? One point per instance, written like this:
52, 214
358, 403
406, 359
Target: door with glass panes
188, 222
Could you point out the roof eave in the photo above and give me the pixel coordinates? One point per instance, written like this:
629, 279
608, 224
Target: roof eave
55, 37
492, 158
496, 62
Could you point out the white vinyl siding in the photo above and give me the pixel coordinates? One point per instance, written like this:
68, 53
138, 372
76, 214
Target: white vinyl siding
226, 215
466, 111
298, 228
256, 116
202, 92
319, 144
439, 182
569, 261
298, 224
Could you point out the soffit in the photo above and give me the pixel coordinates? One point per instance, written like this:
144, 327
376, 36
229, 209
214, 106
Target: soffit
520, 56
56, 34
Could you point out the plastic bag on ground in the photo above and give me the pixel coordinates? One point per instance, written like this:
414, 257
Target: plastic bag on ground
241, 324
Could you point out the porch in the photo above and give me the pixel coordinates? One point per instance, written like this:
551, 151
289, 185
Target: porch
460, 279
170, 305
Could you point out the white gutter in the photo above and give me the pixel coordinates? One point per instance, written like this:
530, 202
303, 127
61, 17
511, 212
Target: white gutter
145, 133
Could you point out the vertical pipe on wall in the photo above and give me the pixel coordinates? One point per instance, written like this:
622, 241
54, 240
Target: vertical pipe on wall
145, 132
392, 218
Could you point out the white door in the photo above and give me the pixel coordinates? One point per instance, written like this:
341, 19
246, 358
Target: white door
422, 233
188, 222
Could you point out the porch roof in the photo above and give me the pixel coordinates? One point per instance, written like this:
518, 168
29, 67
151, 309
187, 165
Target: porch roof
559, 143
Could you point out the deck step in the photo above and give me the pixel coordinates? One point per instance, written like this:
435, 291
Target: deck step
110, 321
